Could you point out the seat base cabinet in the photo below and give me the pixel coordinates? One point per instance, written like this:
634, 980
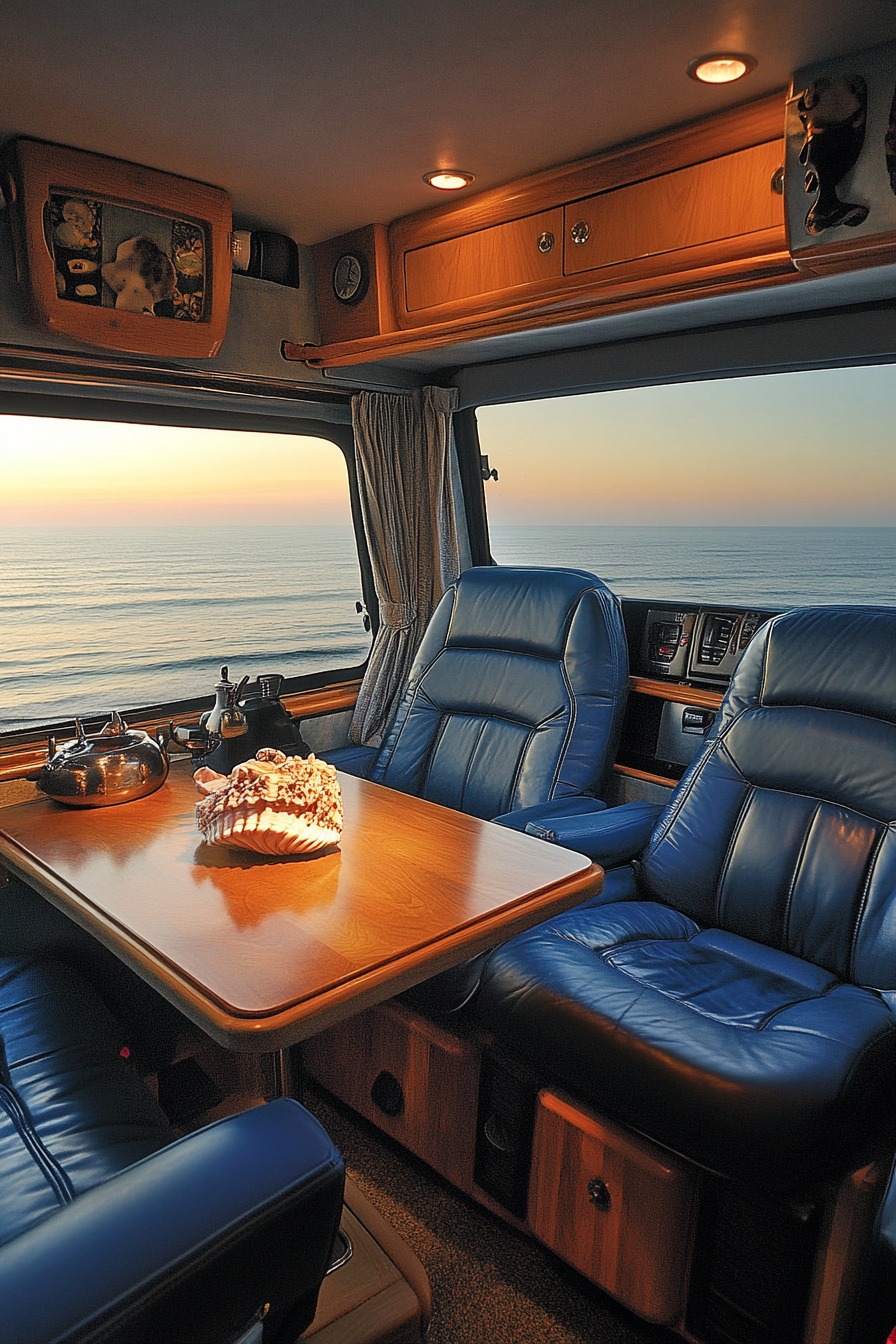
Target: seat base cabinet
717, 1262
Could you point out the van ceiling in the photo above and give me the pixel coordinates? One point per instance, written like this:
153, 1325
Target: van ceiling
321, 117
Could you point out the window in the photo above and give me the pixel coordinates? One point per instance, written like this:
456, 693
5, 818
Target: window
139, 558
777, 490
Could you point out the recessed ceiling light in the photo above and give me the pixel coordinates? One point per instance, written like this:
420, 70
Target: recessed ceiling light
721, 68
448, 179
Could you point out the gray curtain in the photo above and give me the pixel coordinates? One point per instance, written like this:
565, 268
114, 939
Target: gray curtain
416, 532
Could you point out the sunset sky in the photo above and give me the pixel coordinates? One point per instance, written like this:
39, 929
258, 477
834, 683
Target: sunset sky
794, 449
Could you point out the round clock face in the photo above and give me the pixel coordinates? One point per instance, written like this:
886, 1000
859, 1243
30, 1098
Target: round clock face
350, 278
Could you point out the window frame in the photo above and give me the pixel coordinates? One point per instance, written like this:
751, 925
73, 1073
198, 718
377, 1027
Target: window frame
19, 745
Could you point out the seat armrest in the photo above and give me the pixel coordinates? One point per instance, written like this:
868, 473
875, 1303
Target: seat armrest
578, 805
353, 760
188, 1244
610, 838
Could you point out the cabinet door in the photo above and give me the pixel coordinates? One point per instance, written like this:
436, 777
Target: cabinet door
503, 257
706, 203
614, 1206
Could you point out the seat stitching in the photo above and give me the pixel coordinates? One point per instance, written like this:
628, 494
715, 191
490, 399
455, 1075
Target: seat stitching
55, 1176
797, 868
729, 852
714, 1017
865, 896
469, 765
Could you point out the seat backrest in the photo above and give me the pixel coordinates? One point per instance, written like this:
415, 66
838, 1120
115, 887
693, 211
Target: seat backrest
783, 828
516, 694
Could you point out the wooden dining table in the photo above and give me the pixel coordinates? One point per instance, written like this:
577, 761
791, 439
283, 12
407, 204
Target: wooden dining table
262, 952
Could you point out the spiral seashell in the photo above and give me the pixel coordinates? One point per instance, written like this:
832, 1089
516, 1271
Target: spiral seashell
267, 830
272, 805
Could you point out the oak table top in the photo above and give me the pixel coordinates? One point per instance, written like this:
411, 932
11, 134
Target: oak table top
262, 952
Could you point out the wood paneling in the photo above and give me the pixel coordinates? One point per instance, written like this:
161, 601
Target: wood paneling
587, 299
263, 952
372, 315
473, 302
676, 691
709, 138
25, 760
638, 1248
381, 1294
725, 198
438, 1072
489, 260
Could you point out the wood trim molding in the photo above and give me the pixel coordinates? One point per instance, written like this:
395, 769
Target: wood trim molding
740, 128
632, 773
716, 266
676, 692
580, 304
25, 760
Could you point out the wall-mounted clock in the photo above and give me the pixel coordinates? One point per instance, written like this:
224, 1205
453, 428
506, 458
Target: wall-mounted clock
350, 278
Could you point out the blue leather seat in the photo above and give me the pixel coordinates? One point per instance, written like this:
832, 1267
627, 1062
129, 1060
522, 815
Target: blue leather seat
514, 697
112, 1227
731, 994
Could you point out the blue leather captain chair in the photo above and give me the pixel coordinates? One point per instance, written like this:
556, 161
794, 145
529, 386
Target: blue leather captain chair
112, 1228
732, 994
514, 698
512, 711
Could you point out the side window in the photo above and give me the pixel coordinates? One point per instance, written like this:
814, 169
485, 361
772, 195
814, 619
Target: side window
776, 491
137, 559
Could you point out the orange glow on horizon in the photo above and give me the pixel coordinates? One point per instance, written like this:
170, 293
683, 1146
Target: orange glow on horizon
92, 473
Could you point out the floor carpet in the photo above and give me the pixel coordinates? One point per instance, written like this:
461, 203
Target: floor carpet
490, 1284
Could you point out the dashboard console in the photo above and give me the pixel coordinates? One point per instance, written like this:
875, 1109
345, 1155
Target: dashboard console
684, 657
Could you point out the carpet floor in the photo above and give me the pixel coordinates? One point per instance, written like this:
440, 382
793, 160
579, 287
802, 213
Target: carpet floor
490, 1283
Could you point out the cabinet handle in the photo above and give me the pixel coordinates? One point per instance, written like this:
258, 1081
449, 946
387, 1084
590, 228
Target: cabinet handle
599, 1194
777, 182
580, 233
545, 242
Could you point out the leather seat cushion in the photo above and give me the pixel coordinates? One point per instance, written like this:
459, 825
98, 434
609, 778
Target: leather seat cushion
741, 1057
73, 1112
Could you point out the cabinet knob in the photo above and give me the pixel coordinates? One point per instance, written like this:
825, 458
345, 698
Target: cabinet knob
580, 233
599, 1194
545, 242
777, 182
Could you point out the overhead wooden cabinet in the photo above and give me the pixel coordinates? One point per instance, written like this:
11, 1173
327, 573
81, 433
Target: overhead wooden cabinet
693, 212
724, 202
504, 257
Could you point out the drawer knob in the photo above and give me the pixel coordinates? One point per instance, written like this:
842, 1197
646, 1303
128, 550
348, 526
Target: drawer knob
599, 1194
545, 242
580, 233
777, 182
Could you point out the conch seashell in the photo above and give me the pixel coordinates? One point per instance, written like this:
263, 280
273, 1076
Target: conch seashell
273, 805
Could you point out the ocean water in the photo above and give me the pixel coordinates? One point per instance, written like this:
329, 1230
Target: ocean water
96, 618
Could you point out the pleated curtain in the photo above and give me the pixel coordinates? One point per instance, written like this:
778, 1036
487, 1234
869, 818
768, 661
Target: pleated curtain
416, 533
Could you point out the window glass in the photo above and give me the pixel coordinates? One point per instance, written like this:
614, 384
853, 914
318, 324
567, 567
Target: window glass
775, 490
137, 559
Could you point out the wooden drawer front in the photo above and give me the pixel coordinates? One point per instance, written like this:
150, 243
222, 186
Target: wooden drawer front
481, 263
438, 1074
724, 198
638, 1247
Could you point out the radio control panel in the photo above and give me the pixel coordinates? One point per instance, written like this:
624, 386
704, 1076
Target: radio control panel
700, 643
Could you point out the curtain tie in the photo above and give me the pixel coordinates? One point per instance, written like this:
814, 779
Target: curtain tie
398, 615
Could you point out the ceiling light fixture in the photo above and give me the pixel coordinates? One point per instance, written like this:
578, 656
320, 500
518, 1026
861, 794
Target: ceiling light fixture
448, 179
721, 67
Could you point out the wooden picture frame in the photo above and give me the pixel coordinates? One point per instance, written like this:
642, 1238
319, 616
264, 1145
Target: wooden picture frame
117, 255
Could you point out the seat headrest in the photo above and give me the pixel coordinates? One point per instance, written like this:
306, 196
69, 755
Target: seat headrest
840, 658
517, 608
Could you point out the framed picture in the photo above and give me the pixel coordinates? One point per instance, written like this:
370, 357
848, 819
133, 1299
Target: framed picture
117, 255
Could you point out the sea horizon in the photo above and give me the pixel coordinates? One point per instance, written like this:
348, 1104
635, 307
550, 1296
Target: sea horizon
95, 618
